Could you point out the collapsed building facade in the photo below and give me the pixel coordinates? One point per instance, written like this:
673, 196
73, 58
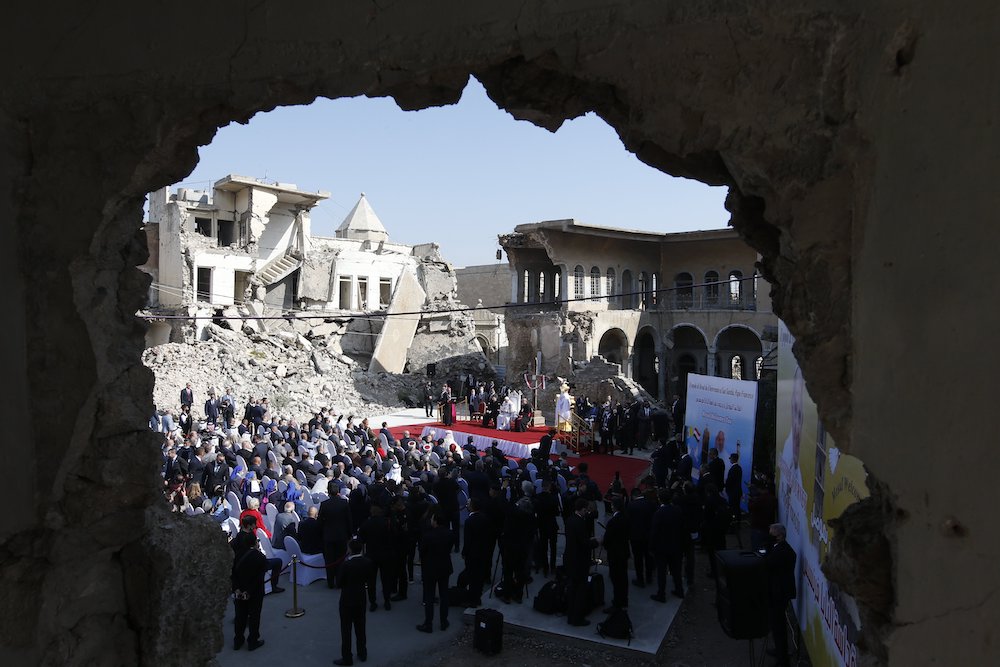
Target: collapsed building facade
658, 306
243, 256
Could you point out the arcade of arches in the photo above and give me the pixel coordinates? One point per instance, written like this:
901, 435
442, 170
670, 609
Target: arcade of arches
814, 114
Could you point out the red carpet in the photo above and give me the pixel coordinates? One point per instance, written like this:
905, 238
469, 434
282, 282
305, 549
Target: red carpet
602, 466
529, 437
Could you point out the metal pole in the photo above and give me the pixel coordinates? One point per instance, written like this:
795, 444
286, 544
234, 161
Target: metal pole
295, 611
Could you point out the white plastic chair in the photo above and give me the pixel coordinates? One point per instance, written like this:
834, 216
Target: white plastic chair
317, 566
270, 512
235, 507
561, 481
198, 510
512, 464
301, 476
384, 441
282, 486
270, 551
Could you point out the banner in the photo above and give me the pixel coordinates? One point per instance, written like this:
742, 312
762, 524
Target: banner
721, 413
815, 483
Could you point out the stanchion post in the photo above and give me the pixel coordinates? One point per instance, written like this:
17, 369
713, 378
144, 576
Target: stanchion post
295, 611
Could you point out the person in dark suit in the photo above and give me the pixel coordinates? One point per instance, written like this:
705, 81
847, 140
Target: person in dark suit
684, 465
249, 567
358, 574
174, 465
310, 533
734, 487
616, 539
446, 491
715, 524
666, 539
187, 396
377, 535
640, 520
212, 409
215, 475
716, 469
435, 568
477, 550
335, 520
780, 562
576, 560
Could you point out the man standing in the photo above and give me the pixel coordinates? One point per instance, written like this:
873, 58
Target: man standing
358, 572
377, 535
187, 396
480, 541
666, 538
428, 400
780, 562
640, 520
335, 520
249, 566
576, 560
616, 535
734, 487
435, 569
211, 409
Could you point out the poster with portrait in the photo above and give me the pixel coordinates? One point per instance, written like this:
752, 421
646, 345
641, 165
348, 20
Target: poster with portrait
721, 413
815, 483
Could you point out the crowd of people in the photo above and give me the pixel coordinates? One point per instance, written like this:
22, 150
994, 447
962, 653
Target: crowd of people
376, 506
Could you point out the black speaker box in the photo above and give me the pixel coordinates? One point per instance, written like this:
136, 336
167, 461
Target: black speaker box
741, 594
431, 370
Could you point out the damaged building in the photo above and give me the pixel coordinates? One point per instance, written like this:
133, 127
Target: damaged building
242, 256
656, 306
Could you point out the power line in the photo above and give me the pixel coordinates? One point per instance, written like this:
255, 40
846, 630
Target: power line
372, 315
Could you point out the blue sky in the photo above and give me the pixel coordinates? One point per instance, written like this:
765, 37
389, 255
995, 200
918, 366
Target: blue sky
457, 175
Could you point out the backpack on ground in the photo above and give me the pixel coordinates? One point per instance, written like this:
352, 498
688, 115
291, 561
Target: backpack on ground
617, 625
551, 598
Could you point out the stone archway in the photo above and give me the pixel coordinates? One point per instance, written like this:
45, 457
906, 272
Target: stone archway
801, 110
645, 363
613, 346
738, 342
689, 354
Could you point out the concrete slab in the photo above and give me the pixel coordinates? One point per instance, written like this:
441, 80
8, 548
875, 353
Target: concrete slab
314, 639
650, 620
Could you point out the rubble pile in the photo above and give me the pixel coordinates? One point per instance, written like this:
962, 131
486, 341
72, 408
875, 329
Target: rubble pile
297, 372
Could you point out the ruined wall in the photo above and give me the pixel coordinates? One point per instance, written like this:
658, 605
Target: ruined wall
858, 140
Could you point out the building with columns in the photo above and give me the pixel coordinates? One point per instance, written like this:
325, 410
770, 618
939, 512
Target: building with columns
659, 305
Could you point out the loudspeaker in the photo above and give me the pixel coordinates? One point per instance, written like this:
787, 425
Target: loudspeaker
431, 370
741, 594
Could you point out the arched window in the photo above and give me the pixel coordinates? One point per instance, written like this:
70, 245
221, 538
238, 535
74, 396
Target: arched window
643, 290
557, 285
712, 287
524, 287
628, 299
578, 282
735, 287
542, 296
654, 289
759, 365
737, 367
609, 284
595, 281
683, 290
